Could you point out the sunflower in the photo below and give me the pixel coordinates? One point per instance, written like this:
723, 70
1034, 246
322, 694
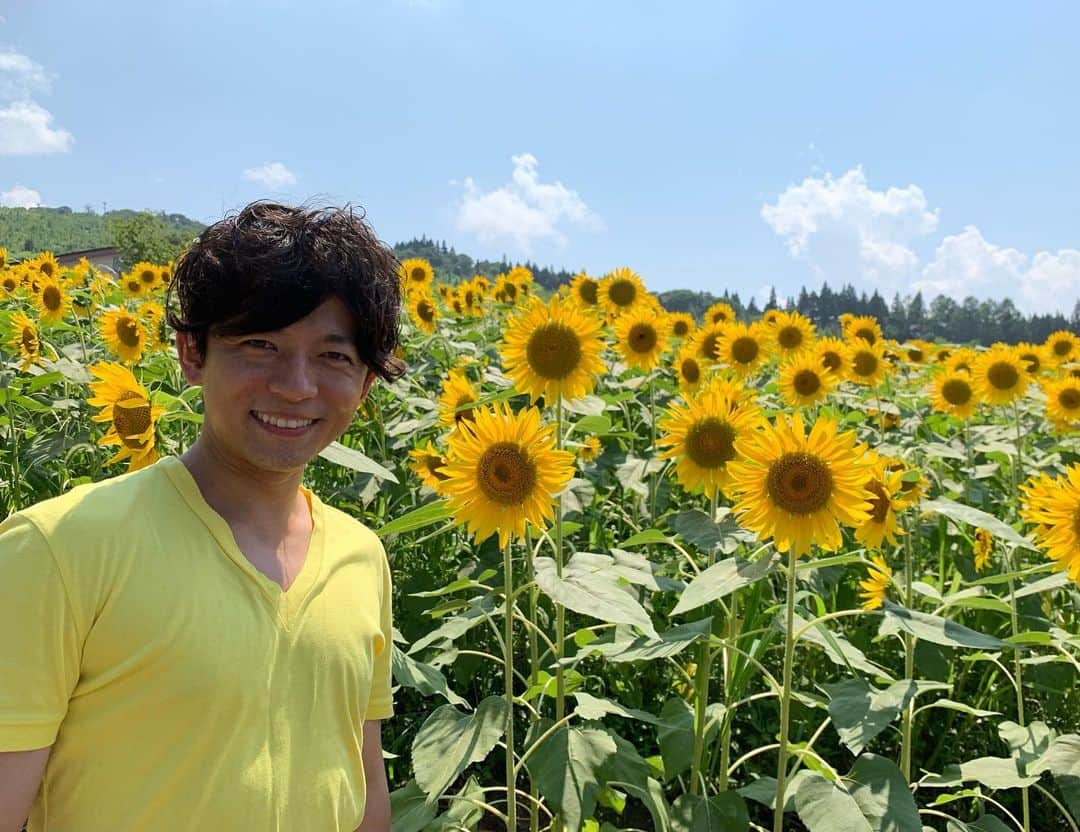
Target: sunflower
621, 290
804, 381
124, 335
983, 545
1063, 400
702, 433
913, 482
165, 274
884, 486
720, 313
640, 337
589, 449
682, 325
1053, 505
706, 341
152, 316
1063, 346
961, 360
867, 363
133, 287
876, 584
424, 311
954, 393
553, 349
148, 275
1033, 355
126, 407
425, 463
834, 356
10, 281
45, 265
416, 273
741, 347
25, 339
3, 258
791, 334
51, 300
503, 471
797, 488
457, 399
916, 351
506, 290
1000, 377
522, 276
864, 327
689, 369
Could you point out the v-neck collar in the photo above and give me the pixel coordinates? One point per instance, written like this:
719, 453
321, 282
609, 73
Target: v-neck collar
285, 603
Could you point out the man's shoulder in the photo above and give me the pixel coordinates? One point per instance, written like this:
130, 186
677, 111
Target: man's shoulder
343, 527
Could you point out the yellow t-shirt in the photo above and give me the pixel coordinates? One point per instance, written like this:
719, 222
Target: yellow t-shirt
180, 687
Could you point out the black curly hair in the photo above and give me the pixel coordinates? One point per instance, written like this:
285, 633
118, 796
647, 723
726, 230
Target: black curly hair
269, 265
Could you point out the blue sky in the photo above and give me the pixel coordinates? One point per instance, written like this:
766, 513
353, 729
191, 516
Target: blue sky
709, 146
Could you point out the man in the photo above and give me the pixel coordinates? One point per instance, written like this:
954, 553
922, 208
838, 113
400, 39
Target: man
202, 644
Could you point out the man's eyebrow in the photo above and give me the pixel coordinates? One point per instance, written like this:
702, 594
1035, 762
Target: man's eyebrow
336, 338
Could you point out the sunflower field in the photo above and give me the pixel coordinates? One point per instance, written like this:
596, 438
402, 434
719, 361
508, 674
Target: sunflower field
652, 572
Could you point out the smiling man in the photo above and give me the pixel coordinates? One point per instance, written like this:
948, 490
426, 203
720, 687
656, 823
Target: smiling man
203, 644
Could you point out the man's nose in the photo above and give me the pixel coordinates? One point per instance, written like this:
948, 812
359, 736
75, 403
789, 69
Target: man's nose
293, 378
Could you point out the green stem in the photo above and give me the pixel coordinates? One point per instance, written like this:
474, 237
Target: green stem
13, 431
1019, 459
652, 448
909, 662
701, 689
508, 677
534, 672
785, 696
1019, 679
560, 611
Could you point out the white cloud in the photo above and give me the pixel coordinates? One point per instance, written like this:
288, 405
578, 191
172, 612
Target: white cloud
20, 197
524, 209
26, 128
20, 76
272, 175
847, 230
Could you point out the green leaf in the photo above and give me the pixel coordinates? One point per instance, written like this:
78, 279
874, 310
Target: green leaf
725, 811
589, 590
594, 707
465, 810
449, 740
723, 578
352, 458
676, 736
1062, 759
594, 425
565, 768
627, 769
882, 794
936, 629
646, 537
825, 807
418, 518
992, 772
409, 809
422, 677
585, 406
696, 528
860, 711
973, 517
952, 705
989, 823
1047, 584
669, 643
1027, 742
838, 649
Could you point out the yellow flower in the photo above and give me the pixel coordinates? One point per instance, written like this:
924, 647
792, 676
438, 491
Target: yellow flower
123, 334
770, 316
706, 341
503, 472
1000, 377
152, 316
1063, 346
621, 290
1053, 505
10, 281
834, 356
1033, 355
423, 311
875, 586
3, 258
791, 334
863, 327
1063, 400
426, 463
884, 486
126, 408
133, 287
640, 336
148, 275
457, 398
25, 339
984, 543
553, 349
867, 363
913, 483
720, 313
585, 291
416, 273
682, 325
702, 434
917, 351
804, 381
797, 488
959, 361
953, 392
741, 347
589, 449
689, 369
51, 300
45, 265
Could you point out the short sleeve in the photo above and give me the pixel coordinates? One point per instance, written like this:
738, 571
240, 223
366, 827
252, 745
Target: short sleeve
380, 702
39, 662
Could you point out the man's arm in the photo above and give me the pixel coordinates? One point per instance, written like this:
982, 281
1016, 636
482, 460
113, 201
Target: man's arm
20, 778
377, 813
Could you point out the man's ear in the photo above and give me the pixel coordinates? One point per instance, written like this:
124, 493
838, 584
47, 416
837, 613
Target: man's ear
369, 379
191, 360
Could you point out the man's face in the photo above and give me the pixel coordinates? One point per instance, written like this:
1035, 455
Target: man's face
273, 400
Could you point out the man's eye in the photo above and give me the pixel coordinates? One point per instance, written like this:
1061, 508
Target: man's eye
259, 343
339, 356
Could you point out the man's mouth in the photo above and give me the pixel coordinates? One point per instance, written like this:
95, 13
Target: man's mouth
282, 422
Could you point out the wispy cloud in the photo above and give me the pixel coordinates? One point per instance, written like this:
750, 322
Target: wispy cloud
524, 209
26, 128
273, 176
20, 197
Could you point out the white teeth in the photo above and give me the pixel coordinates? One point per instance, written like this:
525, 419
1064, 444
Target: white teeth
282, 423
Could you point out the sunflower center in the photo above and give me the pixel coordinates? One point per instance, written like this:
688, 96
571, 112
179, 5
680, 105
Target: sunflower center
710, 345
433, 464
1002, 375
553, 351
127, 331
131, 422
745, 349
51, 298
642, 337
425, 311
134, 286
10, 284
1062, 347
806, 382
505, 474
467, 415
1069, 398
719, 316
622, 292
831, 360
47, 269
1076, 522
789, 337
587, 291
680, 328
956, 392
710, 443
865, 363
879, 502
1032, 361
690, 370
799, 483
914, 354
511, 291
148, 276
417, 275
29, 340
866, 334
